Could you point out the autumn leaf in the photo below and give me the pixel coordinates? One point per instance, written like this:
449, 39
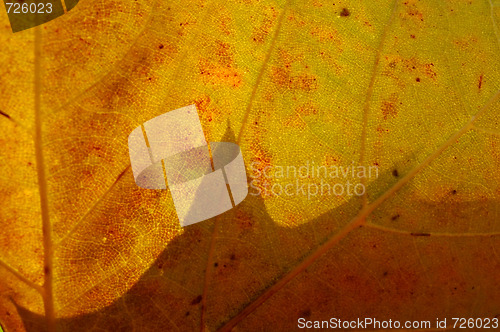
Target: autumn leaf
409, 87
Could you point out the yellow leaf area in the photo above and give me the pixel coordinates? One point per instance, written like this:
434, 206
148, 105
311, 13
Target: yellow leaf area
410, 87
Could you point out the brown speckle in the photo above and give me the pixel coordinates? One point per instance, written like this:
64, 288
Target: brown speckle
196, 300
260, 33
420, 234
480, 83
417, 79
395, 173
345, 12
5, 114
306, 313
388, 107
395, 217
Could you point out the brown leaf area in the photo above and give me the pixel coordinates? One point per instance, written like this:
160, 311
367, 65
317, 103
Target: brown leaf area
411, 87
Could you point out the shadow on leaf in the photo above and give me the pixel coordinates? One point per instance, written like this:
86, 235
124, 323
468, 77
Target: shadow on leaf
250, 253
